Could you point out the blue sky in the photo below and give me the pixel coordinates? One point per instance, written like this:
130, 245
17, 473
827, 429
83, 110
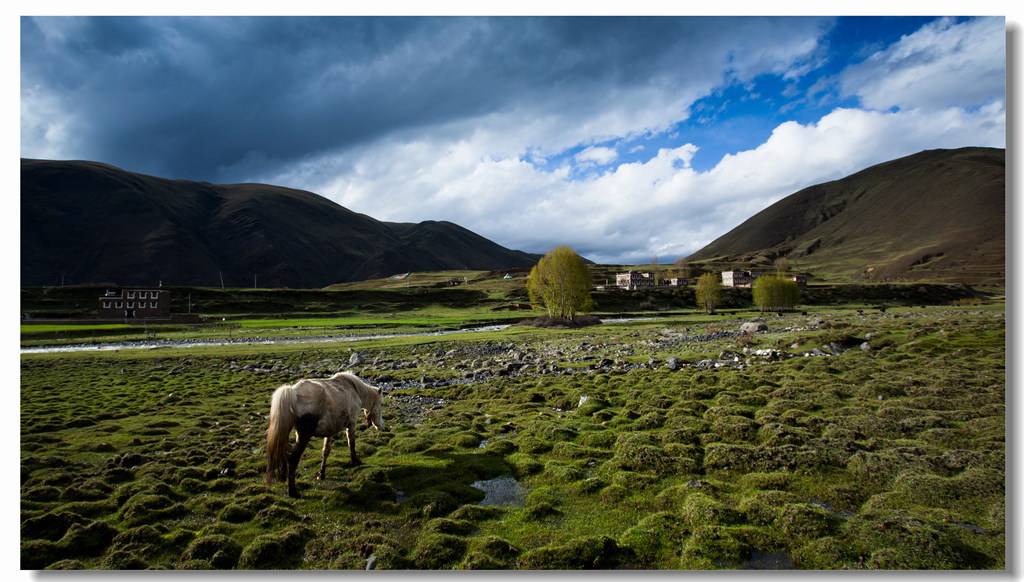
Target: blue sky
623, 137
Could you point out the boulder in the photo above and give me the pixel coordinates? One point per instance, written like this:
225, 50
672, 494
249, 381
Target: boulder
753, 327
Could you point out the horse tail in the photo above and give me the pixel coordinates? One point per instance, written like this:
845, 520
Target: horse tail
282, 420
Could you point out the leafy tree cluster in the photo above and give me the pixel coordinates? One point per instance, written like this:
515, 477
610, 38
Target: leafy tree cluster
775, 293
709, 292
560, 283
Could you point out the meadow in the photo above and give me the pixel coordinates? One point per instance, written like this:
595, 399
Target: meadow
835, 439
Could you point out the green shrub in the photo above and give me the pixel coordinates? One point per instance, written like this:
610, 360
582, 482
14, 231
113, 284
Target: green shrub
501, 447
477, 512
743, 458
712, 547
703, 509
907, 543
613, 494
435, 551
559, 472
50, 526
655, 535
524, 465
432, 503
828, 553
89, 539
777, 481
220, 551
570, 450
649, 421
588, 486
539, 511
803, 522
489, 553
765, 507
38, 554
588, 553
236, 513
278, 551
466, 440
735, 429
601, 439
592, 405
123, 560
445, 525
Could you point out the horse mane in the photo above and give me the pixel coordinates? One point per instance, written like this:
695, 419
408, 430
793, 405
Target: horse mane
367, 393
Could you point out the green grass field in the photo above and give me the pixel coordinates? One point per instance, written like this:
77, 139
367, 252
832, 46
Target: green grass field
892, 458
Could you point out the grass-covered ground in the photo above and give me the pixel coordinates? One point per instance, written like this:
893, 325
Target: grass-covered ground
890, 456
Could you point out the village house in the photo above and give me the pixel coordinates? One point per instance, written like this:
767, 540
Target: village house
739, 278
633, 280
747, 278
135, 304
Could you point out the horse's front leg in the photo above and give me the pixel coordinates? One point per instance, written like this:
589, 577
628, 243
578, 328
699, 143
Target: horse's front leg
350, 433
323, 461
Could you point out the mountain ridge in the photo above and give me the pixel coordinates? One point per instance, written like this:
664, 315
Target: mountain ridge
88, 222
937, 215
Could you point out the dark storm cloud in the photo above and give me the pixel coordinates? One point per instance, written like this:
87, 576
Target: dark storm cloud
509, 126
200, 98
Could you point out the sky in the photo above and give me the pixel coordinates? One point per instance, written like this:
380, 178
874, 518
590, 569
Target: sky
628, 138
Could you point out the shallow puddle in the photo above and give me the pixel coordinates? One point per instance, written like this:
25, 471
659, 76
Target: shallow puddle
503, 491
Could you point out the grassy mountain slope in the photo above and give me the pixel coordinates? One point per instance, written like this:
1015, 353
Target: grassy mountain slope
86, 222
937, 215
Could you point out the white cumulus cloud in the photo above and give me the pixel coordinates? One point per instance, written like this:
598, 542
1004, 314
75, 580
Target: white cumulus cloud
597, 155
944, 63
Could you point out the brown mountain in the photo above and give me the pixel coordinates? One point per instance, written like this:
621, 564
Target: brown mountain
86, 222
939, 215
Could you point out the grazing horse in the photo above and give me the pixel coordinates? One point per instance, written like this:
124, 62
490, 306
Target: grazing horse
317, 408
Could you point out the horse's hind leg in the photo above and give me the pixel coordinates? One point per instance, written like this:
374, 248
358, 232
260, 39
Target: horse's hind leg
305, 428
323, 461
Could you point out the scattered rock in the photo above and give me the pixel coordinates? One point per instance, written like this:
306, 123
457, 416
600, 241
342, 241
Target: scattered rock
753, 327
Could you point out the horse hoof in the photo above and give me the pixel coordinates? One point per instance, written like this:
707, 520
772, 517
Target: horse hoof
294, 495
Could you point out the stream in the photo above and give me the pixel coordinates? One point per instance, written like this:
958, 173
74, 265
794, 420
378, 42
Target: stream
151, 344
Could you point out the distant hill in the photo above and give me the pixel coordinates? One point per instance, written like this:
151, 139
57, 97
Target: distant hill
939, 215
87, 222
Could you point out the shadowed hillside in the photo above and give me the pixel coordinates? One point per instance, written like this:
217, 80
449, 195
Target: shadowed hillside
938, 215
86, 222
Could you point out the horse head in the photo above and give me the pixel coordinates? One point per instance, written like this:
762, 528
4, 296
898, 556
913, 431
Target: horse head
373, 413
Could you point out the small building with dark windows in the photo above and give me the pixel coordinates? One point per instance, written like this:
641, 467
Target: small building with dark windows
739, 278
634, 280
135, 304
747, 278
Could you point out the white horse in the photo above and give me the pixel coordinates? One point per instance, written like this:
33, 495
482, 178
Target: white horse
317, 408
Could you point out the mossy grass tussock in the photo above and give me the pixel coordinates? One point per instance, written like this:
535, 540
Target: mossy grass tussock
833, 440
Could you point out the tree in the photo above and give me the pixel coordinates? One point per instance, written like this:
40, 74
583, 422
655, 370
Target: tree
682, 268
560, 283
782, 266
775, 293
655, 270
709, 292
